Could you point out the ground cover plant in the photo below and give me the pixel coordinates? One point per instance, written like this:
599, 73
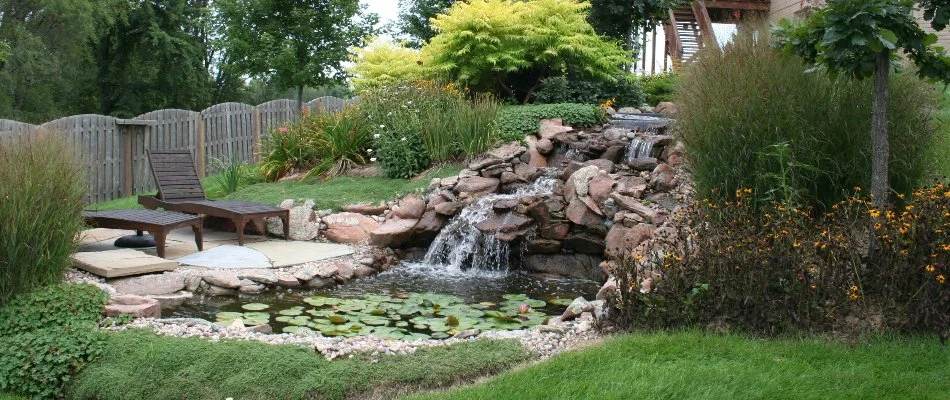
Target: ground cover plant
43, 194
657, 88
782, 127
625, 91
47, 336
693, 365
515, 122
194, 368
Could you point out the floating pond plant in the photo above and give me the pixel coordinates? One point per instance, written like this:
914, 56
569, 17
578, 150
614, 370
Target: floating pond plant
400, 316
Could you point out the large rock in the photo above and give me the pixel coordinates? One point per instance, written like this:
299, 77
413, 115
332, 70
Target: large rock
479, 165
304, 223
169, 282
634, 205
411, 207
221, 278
366, 208
535, 157
393, 233
544, 146
287, 280
663, 178
507, 222
543, 246
448, 209
615, 133
613, 154
602, 164
576, 308
349, 227
136, 306
428, 228
585, 242
552, 129
262, 276
622, 240
632, 186
477, 185
585, 266
580, 179
643, 163
579, 213
666, 108
172, 300
507, 151
555, 230
600, 187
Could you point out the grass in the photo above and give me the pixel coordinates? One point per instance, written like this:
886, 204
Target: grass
940, 151
142, 365
330, 194
693, 365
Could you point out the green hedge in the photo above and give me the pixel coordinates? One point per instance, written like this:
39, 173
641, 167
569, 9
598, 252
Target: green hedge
515, 122
47, 336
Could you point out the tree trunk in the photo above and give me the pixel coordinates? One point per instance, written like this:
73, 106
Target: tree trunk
880, 152
299, 97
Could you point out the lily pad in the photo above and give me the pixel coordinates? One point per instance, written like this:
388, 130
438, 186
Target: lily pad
561, 302
291, 311
255, 306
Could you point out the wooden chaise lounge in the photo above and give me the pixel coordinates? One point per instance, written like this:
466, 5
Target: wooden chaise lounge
180, 190
157, 223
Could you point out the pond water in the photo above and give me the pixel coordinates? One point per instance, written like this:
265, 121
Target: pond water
412, 300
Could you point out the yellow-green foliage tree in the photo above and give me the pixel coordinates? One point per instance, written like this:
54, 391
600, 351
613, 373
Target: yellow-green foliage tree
509, 46
384, 62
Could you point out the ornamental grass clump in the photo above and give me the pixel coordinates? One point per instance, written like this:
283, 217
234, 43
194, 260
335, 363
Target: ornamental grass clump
41, 201
766, 268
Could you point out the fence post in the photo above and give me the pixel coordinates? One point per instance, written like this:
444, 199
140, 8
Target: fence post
201, 146
257, 135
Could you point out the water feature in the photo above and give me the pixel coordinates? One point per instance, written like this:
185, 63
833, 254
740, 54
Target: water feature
462, 248
638, 148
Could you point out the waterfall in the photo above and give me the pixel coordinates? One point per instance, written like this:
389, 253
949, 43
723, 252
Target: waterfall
462, 248
638, 148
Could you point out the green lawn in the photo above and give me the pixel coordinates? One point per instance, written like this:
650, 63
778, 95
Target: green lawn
694, 365
142, 365
329, 194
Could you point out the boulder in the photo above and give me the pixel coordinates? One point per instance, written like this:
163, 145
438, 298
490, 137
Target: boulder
613, 154
555, 231
526, 172
585, 266
505, 204
169, 282
348, 227
222, 278
363, 272
634, 205
579, 213
508, 222
484, 163
585, 242
509, 177
535, 157
581, 178
136, 306
551, 129
622, 241
448, 209
449, 182
507, 151
543, 246
344, 272
428, 227
607, 290
663, 178
319, 283
220, 291
615, 133
666, 108
643, 163
411, 207
250, 287
477, 185
172, 300
576, 308
304, 223
600, 187
287, 280
602, 164
393, 233
632, 186
262, 276
366, 208
544, 146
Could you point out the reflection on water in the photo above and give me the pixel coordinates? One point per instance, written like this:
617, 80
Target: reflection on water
473, 286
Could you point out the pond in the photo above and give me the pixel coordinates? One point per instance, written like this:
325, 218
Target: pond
413, 300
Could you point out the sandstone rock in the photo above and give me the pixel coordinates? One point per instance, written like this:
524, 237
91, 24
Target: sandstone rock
495, 171
552, 128
349, 227
193, 282
584, 266
639, 208
585, 242
628, 110
577, 307
615, 133
600, 187
262, 276
428, 228
613, 154
526, 172
304, 224
632, 186
365, 208
448, 209
344, 272
604, 165
169, 282
678, 149
643, 163
305, 273
509, 177
363, 272
224, 279
608, 289
555, 231
220, 291
477, 185
172, 300
393, 233
508, 222
581, 179
535, 157
262, 328
503, 205
592, 205
663, 178
579, 213
327, 270
319, 283
251, 287
449, 182
484, 163
287, 280
136, 306
666, 108
622, 240
411, 207
545, 146
543, 246
507, 151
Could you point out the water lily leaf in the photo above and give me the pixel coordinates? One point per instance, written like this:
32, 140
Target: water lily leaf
297, 329
499, 315
561, 302
228, 316
377, 311
291, 311
483, 305
420, 327
401, 324
535, 303
515, 297
440, 335
336, 319
283, 318
418, 336
374, 321
427, 303
255, 306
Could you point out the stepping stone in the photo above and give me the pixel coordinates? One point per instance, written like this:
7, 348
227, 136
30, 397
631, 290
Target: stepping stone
121, 262
228, 257
285, 254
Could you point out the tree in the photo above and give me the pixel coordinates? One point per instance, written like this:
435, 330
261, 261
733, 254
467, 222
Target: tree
384, 62
510, 46
293, 43
861, 39
621, 19
414, 17
937, 12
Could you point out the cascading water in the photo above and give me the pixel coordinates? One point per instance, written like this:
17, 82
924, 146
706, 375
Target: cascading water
462, 248
638, 148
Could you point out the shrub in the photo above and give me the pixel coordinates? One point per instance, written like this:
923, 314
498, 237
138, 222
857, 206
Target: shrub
625, 91
47, 336
657, 88
384, 63
731, 126
323, 144
515, 122
43, 196
769, 269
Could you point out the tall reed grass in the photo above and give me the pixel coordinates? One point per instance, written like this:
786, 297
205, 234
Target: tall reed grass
42, 194
738, 108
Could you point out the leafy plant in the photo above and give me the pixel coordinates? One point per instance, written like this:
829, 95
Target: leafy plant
401, 156
658, 88
384, 63
44, 192
625, 90
229, 174
516, 121
47, 336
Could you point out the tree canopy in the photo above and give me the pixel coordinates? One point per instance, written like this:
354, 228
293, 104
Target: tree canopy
414, 17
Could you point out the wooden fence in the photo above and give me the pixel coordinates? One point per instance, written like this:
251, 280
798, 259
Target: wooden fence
113, 150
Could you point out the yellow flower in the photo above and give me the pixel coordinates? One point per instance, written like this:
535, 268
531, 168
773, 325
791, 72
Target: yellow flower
930, 268
941, 279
